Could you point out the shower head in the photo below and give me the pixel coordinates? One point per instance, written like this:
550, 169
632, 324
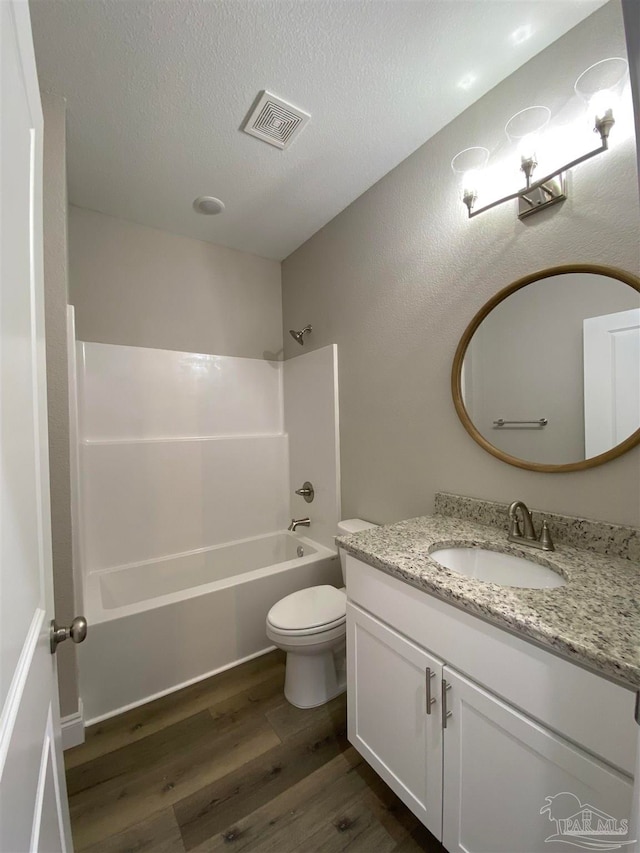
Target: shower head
299, 336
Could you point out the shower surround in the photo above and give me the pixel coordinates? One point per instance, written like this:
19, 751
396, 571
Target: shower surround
187, 468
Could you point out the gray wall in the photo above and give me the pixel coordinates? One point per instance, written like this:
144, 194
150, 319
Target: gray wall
631, 13
138, 286
55, 300
397, 276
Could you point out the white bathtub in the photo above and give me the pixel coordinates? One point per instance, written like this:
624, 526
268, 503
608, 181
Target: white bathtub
159, 625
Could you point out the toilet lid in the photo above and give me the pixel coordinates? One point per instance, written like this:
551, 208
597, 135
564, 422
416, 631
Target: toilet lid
309, 608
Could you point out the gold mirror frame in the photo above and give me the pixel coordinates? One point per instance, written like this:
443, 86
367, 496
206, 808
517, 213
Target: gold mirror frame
456, 372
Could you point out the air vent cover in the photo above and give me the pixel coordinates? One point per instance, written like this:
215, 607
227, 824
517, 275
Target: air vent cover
275, 121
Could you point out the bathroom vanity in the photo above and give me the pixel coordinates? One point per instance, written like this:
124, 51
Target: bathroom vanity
479, 704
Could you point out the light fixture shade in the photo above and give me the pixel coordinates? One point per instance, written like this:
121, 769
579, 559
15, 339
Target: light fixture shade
525, 127
468, 166
601, 85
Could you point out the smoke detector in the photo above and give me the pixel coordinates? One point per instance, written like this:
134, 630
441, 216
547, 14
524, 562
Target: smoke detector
275, 121
208, 205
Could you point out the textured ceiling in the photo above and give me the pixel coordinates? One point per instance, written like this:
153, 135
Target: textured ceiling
158, 89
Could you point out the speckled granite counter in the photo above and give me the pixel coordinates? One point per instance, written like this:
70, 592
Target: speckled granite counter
594, 620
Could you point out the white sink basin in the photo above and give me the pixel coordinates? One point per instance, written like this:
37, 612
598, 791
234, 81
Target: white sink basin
503, 569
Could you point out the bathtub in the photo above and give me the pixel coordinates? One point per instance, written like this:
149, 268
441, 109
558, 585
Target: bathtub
159, 625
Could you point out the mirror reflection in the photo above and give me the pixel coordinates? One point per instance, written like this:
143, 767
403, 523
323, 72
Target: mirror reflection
552, 373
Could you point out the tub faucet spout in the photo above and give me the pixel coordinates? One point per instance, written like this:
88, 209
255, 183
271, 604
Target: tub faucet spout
299, 522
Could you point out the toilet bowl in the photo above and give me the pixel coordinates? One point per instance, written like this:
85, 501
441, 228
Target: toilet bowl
310, 626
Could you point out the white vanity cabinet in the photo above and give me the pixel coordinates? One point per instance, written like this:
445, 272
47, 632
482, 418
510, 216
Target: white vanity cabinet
394, 719
499, 768
511, 724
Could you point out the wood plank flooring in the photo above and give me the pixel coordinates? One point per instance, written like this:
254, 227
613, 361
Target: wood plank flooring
227, 764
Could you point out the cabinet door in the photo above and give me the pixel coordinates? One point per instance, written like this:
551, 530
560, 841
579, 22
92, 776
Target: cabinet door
513, 786
389, 680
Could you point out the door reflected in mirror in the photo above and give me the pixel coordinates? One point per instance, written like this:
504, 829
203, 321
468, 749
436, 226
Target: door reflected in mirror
547, 375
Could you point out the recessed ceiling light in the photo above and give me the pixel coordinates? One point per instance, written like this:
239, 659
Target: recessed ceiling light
467, 81
521, 34
208, 205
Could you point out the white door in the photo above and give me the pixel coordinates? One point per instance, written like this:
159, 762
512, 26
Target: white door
611, 379
513, 786
33, 802
393, 708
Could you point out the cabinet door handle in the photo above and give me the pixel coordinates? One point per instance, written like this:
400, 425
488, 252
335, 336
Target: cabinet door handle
429, 675
445, 714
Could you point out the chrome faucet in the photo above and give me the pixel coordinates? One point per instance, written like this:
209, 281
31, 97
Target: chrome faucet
526, 534
299, 522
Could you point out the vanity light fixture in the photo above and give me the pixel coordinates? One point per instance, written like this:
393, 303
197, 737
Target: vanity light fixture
599, 87
468, 165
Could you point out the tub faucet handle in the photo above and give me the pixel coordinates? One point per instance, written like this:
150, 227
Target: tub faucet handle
307, 491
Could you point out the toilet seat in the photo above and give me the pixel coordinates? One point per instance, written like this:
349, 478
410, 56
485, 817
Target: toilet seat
308, 632
318, 641
309, 611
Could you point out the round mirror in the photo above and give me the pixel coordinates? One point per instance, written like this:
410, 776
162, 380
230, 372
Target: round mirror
547, 374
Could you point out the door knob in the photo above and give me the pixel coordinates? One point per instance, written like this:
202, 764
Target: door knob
77, 631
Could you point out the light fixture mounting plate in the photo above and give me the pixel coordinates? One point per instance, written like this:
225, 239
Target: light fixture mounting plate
551, 192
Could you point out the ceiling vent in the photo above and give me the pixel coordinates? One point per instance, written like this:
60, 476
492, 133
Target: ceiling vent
275, 121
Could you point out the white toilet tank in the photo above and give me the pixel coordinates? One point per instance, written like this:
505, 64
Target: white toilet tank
350, 525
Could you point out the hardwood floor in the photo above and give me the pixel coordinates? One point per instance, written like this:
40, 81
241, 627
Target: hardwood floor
227, 764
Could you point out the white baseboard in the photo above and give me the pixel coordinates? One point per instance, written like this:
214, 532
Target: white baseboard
73, 728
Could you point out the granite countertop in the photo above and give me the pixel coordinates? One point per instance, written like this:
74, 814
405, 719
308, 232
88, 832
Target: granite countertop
594, 620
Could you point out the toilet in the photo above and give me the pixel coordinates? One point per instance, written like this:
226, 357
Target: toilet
310, 626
